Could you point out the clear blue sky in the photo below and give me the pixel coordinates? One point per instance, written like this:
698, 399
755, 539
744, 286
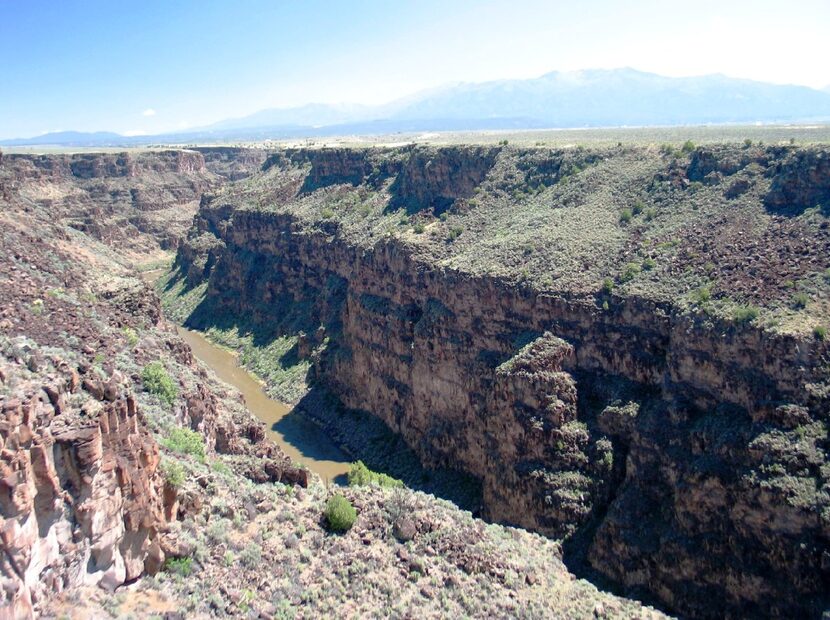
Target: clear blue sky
155, 66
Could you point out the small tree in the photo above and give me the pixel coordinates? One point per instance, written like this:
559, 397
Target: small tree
185, 441
158, 382
340, 514
360, 475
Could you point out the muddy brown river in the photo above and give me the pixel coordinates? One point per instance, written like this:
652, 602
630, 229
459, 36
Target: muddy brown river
299, 438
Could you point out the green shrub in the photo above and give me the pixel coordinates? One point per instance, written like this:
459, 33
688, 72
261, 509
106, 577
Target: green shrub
158, 382
173, 472
650, 214
327, 214
251, 555
360, 475
800, 300
37, 307
607, 286
630, 272
340, 514
747, 143
688, 147
185, 441
649, 264
625, 216
639, 207
820, 332
221, 468
455, 233
217, 531
131, 336
745, 314
179, 566
419, 228
702, 295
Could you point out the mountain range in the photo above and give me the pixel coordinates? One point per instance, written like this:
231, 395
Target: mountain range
589, 98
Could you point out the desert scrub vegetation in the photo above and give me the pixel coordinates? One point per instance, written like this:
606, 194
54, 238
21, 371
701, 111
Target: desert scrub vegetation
179, 301
340, 514
631, 271
173, 472
800, 301
360, 475
158, 382
745, 314
251, 555
455, 233
131, 336
702, 295
182, 567
185, 441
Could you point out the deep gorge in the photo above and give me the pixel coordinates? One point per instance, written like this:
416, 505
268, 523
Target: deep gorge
621, 348
642, 433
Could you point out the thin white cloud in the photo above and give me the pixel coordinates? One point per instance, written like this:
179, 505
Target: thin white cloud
148, 112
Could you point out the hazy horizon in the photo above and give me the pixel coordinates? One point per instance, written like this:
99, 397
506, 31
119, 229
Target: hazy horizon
162, 67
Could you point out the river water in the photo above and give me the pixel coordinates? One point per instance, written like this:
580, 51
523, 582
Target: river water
298, 437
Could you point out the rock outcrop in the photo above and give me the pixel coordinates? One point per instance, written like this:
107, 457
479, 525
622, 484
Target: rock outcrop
801, 181
81, 495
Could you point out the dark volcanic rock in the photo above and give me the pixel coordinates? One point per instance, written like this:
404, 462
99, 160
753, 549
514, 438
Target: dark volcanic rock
801, 181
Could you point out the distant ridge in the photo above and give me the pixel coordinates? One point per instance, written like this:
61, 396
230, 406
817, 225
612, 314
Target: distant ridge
69, 138
570, 99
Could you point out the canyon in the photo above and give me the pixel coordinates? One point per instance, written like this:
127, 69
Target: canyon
664, 442
622, 347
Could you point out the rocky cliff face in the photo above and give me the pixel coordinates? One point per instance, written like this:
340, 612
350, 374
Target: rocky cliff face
682, 453
136, 201
81, 495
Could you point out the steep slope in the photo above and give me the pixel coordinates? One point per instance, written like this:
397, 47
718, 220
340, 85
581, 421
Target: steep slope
626, 346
